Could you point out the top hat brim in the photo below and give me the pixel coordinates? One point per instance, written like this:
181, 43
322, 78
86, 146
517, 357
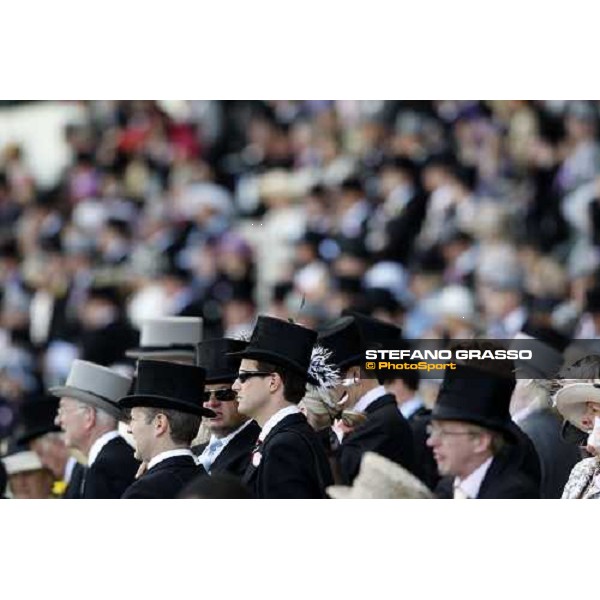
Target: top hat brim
273, 358
450, 413
571, 401
154, 401
221, 378
87, 398
162, 352
32, 434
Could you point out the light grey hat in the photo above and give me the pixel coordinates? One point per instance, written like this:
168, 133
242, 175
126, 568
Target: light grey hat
92, 384
169, 338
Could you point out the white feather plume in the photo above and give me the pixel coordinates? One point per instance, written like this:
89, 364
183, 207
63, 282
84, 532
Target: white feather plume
321, 370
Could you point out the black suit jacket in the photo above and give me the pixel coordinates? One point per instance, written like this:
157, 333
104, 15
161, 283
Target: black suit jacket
293, 463
235, 457
505, 479
166, 479
385, 432
73, 490
112, 473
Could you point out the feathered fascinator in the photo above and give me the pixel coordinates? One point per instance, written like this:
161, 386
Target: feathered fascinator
322, 372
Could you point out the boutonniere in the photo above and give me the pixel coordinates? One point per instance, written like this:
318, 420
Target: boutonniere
256, 458
59, 488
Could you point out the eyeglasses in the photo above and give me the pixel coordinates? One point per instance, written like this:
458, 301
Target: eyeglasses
243, 376
432, 431
224, 395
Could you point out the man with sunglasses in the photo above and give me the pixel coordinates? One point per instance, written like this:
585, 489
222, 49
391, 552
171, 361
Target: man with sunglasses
289, 460
474, 441
233, 435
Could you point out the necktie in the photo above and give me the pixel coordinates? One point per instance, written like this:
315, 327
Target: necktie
207, 457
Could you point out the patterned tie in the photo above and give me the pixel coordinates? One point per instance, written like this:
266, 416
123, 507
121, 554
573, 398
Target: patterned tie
207, 457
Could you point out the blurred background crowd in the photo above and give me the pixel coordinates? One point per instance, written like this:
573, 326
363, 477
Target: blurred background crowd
448, 218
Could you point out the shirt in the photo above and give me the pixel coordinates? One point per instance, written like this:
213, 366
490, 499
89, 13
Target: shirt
170, 454
99, 444
224, 441
370, 397
411, 406
471, 484
276, 418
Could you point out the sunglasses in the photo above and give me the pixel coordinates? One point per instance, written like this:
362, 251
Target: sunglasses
243, 376
220, 395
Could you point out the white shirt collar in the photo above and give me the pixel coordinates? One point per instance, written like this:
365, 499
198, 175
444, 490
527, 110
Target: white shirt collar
513, 322
370, 397
99, 444
276, 418
224, 440
170, 454
411, 406
71, 462
471, 484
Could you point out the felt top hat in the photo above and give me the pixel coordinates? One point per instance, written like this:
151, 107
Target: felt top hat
380, 478
343, 338
215, 356
169, 338
281, 343
174, 386
375, 332
476, 396
547, 346
92, 384
36, 419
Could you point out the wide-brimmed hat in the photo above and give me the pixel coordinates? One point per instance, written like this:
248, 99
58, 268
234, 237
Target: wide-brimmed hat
19, 459
215, 356
174, 386
571, 401
281, 343
97, 386
37, 419
169, 338
344, 339
476, 396
380, 478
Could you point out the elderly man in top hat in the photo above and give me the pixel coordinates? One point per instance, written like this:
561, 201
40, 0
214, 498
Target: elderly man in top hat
165, 413
88, 414
233, 435
385, 431
38, 431
474, 441
289, 460
173, 339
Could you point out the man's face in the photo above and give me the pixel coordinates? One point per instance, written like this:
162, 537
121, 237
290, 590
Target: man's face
227, 418
348, 391
454, 446
253, 394
143, 433
71, 417
31, 485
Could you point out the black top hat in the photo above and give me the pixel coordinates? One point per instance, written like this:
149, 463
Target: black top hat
375, 332
281, 343
476, 396
343, 338
215, 356
37, 419
167, 385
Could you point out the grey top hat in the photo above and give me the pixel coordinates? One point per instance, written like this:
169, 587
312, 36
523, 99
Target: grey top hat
169, 338
95, 385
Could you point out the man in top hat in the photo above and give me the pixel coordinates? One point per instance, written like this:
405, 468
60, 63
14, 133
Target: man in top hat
173, 339
474, 441
165, 413
289, 460
385, 431
88, 414
233, 435
38, 431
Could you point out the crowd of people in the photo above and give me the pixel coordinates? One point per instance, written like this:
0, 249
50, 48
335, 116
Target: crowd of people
195, 293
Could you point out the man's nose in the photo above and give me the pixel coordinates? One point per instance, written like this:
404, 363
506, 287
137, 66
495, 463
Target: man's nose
237, 386
212, 402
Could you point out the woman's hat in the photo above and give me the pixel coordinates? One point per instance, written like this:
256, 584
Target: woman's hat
215, 356
169, 338
280, 343
19, 459
571, 401
380, 478
92, 384
174, 386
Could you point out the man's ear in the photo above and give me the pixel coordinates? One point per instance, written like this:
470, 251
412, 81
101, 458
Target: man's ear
161, 424
483, 442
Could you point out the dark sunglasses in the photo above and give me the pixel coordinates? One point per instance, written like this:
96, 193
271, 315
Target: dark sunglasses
220, 395
243, 376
